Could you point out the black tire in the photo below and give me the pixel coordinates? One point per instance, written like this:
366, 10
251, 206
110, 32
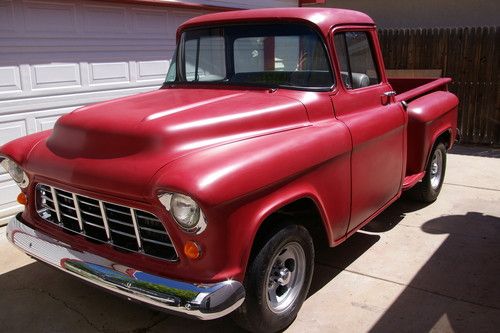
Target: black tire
428, 189
258, 313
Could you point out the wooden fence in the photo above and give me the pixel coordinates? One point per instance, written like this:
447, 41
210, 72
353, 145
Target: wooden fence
470, 56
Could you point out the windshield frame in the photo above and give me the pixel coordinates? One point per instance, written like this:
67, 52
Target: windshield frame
230, 64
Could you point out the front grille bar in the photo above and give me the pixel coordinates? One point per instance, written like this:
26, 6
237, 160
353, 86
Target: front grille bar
56, 203
104, 219
78, 212
136, 229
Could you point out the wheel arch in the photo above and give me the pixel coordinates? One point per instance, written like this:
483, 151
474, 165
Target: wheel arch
304, 209
445, 136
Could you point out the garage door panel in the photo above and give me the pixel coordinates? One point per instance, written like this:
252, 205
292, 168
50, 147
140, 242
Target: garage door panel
10, 130
55, 76
54, 17
151, 22
8, 204
152, 70
45, 121
8, 192
6, 16
108, 72
10, 79
105, 19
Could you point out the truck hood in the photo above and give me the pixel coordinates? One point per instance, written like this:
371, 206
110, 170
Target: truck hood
122, 143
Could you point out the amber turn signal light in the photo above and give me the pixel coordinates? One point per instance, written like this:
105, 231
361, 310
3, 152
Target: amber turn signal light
192, 250
22, 199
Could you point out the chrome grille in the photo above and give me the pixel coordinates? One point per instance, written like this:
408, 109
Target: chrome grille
122, 227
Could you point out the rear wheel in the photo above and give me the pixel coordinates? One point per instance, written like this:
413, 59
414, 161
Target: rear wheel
277, 281
430, 186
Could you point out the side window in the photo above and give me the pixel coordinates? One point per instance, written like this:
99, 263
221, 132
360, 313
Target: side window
356, 59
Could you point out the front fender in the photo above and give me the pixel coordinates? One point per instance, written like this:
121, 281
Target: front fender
220, 174
239, 185
19, 149
328, 186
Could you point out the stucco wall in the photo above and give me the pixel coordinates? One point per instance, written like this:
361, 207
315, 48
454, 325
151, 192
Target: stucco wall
426, 13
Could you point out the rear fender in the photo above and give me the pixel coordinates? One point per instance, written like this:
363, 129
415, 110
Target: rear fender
428, 118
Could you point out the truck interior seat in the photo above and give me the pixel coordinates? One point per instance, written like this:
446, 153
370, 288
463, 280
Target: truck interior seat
360, 80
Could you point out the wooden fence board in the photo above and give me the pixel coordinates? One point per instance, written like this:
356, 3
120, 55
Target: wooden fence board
468, 55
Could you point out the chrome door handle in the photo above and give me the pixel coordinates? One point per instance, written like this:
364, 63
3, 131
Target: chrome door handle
387, 97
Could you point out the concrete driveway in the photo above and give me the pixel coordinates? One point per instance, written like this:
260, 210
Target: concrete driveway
415, 269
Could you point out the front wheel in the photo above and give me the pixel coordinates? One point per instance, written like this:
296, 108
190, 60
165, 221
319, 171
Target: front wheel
430, 186
277, 281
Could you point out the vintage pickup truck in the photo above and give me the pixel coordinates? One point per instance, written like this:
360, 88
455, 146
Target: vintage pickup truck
275, 131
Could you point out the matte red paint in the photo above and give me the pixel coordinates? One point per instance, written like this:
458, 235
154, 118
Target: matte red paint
243, 153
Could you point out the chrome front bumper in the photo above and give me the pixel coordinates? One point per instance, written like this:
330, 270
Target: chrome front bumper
201, 301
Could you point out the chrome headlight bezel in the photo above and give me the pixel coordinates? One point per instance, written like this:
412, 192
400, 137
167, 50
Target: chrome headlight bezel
170, 201
17, 173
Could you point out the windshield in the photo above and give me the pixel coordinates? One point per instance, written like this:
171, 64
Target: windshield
268, 55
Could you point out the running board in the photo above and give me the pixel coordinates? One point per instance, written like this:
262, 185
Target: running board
411, 180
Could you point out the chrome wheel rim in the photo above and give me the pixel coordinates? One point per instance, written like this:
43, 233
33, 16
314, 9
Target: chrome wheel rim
286, 275
436, 169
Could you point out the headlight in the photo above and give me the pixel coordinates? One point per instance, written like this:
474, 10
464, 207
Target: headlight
185, 211
15, 171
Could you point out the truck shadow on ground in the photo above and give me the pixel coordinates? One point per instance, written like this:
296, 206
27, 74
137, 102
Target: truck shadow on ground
464, 270
54, 301
338, 258
458, 288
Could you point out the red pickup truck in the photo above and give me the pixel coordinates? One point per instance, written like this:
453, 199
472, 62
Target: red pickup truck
275, 130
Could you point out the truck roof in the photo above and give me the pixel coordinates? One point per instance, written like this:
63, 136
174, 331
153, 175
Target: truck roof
323, 18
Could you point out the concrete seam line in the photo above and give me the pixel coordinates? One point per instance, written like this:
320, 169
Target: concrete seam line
476, 187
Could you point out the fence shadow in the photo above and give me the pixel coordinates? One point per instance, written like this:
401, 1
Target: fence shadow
480, 151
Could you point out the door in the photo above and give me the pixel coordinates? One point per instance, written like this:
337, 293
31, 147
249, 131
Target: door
377, 127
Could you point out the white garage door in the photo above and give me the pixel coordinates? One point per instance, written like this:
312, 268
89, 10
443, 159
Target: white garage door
57, 55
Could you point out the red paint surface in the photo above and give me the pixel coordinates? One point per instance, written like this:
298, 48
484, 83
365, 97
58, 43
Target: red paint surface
243, 153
